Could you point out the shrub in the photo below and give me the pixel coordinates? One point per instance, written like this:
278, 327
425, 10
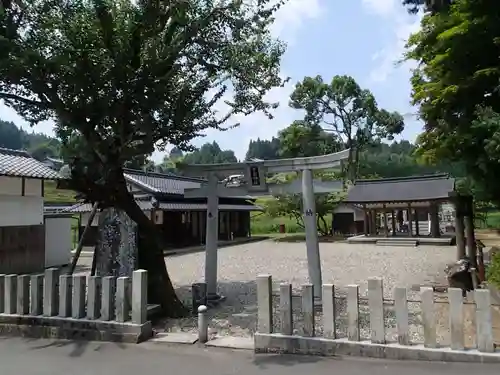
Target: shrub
493, 271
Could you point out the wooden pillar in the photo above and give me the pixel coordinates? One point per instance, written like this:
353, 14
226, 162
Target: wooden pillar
417, 229
393, 220
366, 227
469, 231
434, 214
410, 221
373, 226
459, 226
386, 225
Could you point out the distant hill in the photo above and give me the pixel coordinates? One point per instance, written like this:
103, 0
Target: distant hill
39, 145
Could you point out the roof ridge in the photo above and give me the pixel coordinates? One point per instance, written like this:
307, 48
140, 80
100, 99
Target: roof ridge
161, 175
436, 176
12, 152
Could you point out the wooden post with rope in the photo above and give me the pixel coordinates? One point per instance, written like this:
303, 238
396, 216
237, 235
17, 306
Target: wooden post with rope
80, 243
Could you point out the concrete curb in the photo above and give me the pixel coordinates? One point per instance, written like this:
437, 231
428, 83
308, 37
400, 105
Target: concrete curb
277, 343
232, 342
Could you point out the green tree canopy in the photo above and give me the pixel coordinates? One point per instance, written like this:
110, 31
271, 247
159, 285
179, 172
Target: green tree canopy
123, 76
347, 110
301, 140
210, 153
456, 86
263, 149
10, 136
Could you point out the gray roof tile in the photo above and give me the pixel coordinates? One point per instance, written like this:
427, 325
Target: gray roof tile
171, 206
161, 183
404, 189
20, 164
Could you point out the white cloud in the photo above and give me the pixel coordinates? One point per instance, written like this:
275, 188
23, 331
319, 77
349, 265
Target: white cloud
380, 7
402, 26
292, 16
289, 19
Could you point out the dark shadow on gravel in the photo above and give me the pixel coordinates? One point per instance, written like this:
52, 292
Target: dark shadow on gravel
237, 315
264, 361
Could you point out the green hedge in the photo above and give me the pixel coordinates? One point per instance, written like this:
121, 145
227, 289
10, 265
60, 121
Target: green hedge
493, 271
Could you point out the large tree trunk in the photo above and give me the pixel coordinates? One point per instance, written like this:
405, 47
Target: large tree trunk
109, 189
151, 258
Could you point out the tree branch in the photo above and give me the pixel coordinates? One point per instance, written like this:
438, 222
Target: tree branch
7, 96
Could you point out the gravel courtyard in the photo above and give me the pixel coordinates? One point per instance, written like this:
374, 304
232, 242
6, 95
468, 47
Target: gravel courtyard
342, 264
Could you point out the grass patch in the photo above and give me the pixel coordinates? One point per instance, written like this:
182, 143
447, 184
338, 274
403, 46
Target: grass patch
54, 195
493, 220
301, 237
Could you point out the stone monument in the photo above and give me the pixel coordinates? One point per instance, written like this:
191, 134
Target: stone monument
117, 248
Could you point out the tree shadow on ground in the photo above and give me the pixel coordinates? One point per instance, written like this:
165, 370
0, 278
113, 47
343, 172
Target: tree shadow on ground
237, 315
76, 347
263, 361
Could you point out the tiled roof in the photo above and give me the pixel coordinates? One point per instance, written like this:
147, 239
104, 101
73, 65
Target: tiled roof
168, 206
20, 164
405, 189
161, 183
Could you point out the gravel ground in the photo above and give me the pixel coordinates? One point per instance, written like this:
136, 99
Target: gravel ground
342, 264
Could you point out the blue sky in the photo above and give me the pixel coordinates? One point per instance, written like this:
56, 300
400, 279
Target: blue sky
361, 38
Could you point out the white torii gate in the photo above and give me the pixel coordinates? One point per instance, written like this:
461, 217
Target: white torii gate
255, 176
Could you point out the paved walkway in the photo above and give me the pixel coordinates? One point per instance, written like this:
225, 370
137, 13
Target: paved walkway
44, 357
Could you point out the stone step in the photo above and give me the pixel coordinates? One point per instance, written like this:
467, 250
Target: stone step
409, 243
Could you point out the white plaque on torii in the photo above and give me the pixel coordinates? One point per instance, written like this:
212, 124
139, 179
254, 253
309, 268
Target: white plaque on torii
254, 183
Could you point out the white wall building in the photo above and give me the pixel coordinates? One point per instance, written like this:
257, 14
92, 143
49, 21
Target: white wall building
22, 223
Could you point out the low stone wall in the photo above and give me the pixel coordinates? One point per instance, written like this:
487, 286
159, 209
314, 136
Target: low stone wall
286, 340
75, 307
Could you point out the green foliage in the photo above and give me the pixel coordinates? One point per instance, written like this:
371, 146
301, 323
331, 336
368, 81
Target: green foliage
349, 111
126, 76
415, 6
175, 153
302, 140
456, 86
210, 153
263, 149
10, 136
40, 146
261, 223
54, 195
493, 271
290, 206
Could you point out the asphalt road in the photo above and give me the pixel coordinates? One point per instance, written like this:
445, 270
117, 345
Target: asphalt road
44, 357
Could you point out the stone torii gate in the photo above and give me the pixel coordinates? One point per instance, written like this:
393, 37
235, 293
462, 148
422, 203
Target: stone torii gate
255, 184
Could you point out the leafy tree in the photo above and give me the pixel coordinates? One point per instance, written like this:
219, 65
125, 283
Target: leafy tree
43, 151
301, 140
37, 144
290, 205
10, 136
121, 77
140, 162
347, 110
176, 153
427, 5
263, 149
210, 153
456, 86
